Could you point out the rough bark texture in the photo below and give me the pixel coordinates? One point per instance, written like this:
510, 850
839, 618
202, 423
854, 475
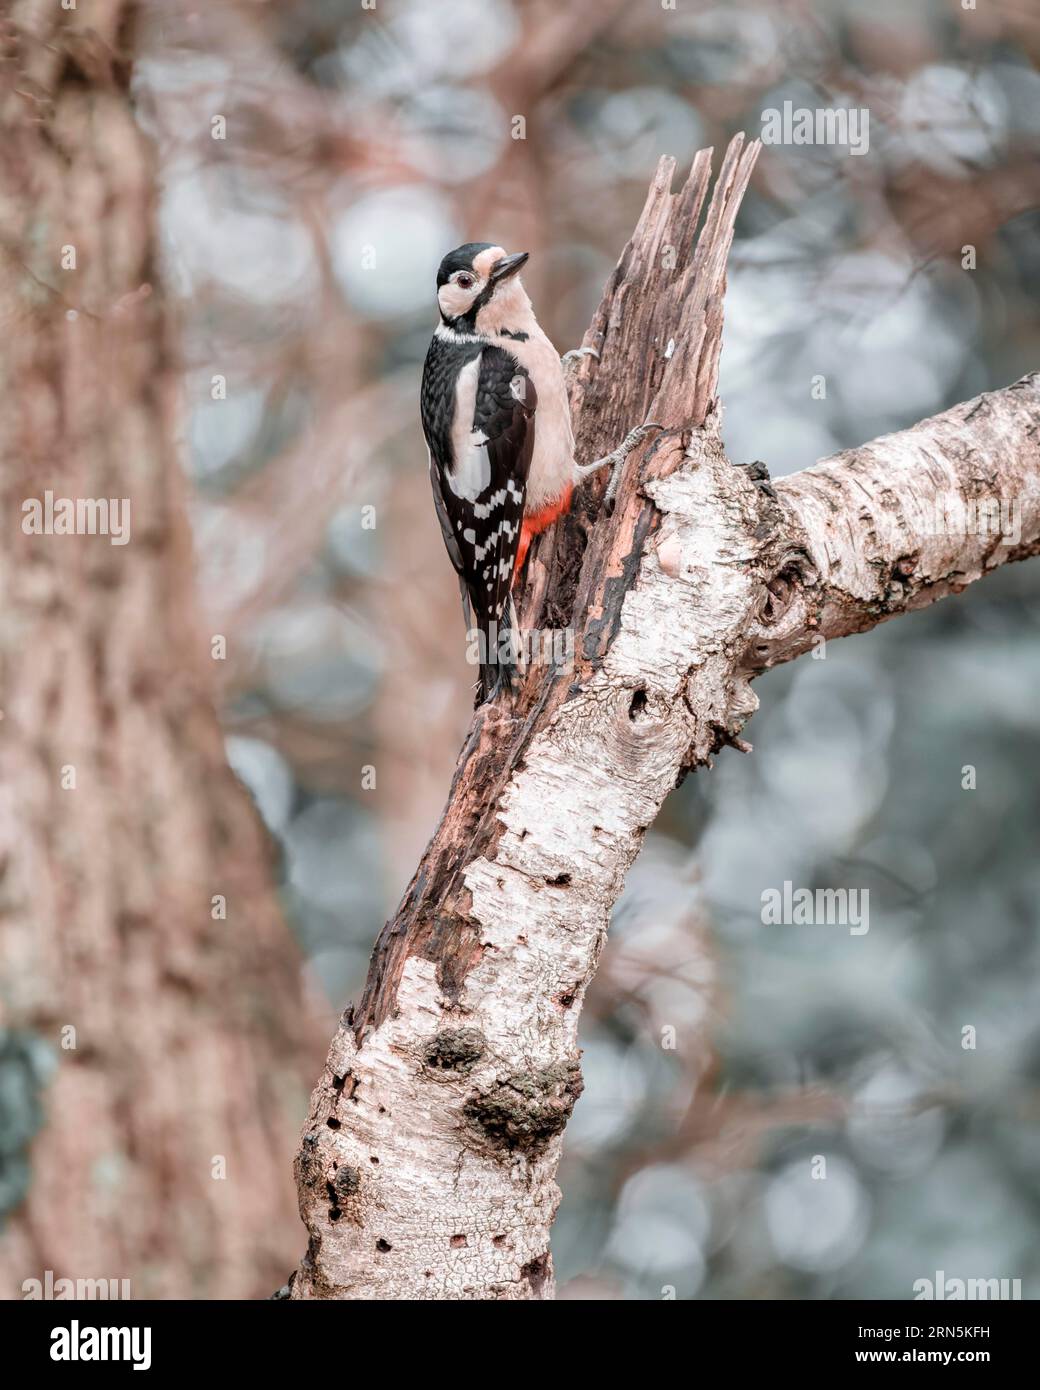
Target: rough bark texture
427, 1168
192, 1034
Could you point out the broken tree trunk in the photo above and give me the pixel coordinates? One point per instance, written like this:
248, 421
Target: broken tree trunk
427, 1168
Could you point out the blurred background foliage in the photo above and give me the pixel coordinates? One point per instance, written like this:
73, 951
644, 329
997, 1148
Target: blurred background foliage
301, 249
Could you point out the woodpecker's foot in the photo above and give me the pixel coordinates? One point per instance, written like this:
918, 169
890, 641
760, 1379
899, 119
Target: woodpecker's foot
576, 354
616, 460
759, 475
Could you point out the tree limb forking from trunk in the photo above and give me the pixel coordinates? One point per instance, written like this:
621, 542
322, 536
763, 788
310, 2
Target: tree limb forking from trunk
427, 1167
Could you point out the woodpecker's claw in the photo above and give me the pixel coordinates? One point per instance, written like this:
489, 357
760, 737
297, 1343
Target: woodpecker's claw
579, 352
616, 460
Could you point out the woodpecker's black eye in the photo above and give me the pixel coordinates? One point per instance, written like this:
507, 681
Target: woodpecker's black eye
464, 281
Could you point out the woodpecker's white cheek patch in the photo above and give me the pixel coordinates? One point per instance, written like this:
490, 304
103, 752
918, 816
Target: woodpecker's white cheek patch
455, 301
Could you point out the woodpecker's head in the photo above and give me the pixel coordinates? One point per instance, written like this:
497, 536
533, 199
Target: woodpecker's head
479, 289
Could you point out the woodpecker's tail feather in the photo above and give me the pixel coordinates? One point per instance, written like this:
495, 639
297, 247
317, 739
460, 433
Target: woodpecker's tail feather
492, 680
500, 654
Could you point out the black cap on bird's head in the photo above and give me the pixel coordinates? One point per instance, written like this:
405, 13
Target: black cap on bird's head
470, 276
464, 257
460, 259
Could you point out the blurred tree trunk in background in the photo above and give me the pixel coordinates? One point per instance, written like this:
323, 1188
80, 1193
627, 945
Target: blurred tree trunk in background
163, 1135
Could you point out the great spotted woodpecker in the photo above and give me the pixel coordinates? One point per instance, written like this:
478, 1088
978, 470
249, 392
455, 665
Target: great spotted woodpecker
497, 422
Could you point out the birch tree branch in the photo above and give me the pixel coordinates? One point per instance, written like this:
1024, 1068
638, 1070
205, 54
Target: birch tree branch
427, 1168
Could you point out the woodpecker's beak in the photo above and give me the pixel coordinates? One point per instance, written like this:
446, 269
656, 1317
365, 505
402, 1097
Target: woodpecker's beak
508, 265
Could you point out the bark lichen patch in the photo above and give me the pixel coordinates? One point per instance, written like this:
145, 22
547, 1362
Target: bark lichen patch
310, 1163
347, 1180
455, 1049
523, 1111
342, 1190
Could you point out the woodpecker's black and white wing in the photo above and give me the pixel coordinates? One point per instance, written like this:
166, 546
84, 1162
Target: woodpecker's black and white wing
478, 409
